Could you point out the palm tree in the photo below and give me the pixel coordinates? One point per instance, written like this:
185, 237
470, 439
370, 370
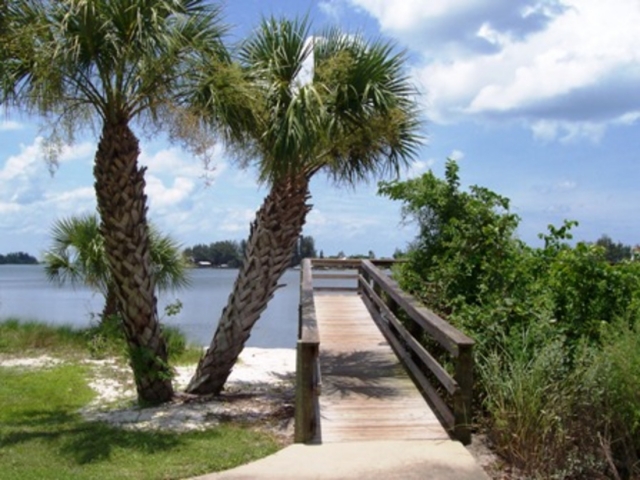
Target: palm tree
77, 256
110, 63
354, 118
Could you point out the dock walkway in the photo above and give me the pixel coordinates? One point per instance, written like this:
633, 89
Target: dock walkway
358, 414
366, 393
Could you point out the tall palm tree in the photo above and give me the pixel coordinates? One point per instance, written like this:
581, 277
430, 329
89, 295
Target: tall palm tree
112, 62
77, 255
354, 117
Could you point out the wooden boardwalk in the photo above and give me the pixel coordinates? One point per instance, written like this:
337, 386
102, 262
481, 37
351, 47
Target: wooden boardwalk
366, 394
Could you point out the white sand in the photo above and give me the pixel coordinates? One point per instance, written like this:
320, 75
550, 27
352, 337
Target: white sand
255, 366
259, 388
42, 361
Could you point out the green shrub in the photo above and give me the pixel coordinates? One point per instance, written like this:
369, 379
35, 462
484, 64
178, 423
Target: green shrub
556, 348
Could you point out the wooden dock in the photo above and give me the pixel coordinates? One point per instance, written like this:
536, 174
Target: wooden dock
366, 393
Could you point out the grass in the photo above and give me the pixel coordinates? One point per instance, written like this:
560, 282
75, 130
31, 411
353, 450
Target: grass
42, 435
18, 337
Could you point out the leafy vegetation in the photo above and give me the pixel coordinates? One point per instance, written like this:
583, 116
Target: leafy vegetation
557, 328
224, 252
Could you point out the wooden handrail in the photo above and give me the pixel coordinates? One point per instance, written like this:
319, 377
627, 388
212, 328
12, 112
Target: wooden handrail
385, 300
308, 380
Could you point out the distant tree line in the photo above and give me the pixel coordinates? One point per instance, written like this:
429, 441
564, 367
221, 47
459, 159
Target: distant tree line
226, 252
614, 252
18, 258
229, 253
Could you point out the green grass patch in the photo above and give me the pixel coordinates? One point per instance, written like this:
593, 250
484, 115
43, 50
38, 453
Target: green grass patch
105, 339
42, 436
20, 337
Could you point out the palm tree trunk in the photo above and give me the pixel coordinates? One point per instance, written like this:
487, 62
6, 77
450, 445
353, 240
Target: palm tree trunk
110, 303
122, 206
274, 234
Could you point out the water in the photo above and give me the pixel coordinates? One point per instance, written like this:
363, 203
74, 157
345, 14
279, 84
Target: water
26, 293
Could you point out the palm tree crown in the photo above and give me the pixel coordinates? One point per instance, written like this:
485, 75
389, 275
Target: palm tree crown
114, 59
353, 117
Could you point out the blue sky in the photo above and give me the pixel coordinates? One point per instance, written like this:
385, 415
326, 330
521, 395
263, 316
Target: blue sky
539, 100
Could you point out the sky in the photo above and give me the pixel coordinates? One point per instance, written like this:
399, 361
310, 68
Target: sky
538, 100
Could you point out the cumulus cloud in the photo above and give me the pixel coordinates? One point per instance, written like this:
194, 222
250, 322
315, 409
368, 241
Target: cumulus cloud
22, 177
573, 62
237, 221
419, 167
331, 8
161, 196
456, 155
176, 161
10, 126
462, 27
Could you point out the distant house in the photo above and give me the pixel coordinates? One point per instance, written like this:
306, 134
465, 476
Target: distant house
635, 253
204, 263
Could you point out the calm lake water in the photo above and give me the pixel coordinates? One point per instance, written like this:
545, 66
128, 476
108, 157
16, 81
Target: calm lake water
26, 293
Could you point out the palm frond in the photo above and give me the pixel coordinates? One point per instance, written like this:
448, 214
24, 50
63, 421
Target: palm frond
170, 269
77, 256
122, 59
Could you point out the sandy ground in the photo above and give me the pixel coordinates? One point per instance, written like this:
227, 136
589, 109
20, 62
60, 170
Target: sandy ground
259, 392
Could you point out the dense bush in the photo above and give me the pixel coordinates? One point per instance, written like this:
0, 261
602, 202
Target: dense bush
556, 327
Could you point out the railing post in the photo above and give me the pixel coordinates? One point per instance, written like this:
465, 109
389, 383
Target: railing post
463, 398
308, 346
305, 417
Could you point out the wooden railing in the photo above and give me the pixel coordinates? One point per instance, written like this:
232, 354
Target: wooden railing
386, 301
307, 418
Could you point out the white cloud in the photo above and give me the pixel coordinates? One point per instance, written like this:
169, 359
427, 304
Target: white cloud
461, 27
237, 221
456, 155
331, 8
161, 197
81, 151
419, 167
10, 126
574, 62
7, 208
566, 185
73, 198
567, 132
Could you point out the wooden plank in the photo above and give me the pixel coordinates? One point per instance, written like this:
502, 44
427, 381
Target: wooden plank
336, 289
366, 394
334, 276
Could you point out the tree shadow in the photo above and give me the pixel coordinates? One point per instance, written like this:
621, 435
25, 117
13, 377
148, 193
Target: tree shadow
362, 372
84, 442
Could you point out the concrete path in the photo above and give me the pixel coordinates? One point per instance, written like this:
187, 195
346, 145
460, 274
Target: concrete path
371, 460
